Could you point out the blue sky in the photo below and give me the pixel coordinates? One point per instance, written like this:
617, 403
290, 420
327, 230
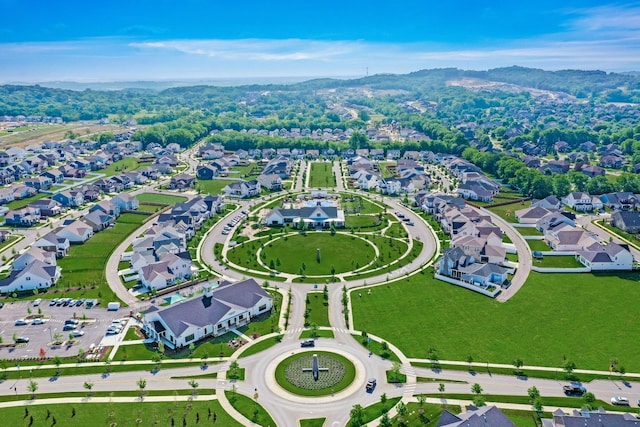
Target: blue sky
198, 39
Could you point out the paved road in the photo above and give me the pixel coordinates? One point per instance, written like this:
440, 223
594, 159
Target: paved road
525, 259
586, 221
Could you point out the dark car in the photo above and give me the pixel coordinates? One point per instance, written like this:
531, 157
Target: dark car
308, 343
574, 390
69, 327
22, 340
371, 384
1, 304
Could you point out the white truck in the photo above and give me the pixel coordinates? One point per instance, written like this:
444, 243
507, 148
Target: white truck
113, 306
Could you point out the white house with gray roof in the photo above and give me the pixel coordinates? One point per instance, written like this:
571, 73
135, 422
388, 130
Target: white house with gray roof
218, 310
312, 216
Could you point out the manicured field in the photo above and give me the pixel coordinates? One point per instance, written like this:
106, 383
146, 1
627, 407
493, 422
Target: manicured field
149, 208
85, 264
588, 320
528, 231
432, 413
507, 212
17, 204
358, 204
301, 249
120, 414
312, 422
318, 310
160, 198
321, 175
250, 408
538, 245
261, 346
357, 221
558, 261
348, 374
212, 186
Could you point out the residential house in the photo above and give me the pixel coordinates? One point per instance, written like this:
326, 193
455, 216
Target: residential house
24, 217
610, 161
32, 255
48, 207
485, 416
568, 239
53, 243
230, 305
169, 269
588, 418
627, 221
456, 265
69, 198
98, 220
126, 202
531, 215
182, 181
592, 171
549, 203
53, 174
556, 166
36, 275
280, 166
6, 195
579, 201
607, 257
206, 172
39, 182
106, 206
271, 182
619, 201
74, 231
242, 189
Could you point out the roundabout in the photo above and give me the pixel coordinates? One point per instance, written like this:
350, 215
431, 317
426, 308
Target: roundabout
315, 373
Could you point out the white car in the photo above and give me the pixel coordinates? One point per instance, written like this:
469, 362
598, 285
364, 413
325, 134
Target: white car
78, 333
620, 401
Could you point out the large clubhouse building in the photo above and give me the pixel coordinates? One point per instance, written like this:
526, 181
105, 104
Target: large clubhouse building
319, 215
217, 311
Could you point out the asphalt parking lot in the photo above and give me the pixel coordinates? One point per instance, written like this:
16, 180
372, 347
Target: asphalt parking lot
98, 319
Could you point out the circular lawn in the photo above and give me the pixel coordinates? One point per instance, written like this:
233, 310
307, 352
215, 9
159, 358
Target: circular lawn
290, 373
342, 252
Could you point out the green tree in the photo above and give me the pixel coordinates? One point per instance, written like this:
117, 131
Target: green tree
383, 402
32, 387
476, 388
194, 386
537, 406
142, 384
88, 386
533, 393
385, 421
589, 399
358, 140
357, 415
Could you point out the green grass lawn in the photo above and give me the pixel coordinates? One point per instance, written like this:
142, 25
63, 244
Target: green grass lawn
160, 198
376, 410
261, 346
85, 264
357, 221
318, 309
17, 204
9, 240
121, 414
358, 204
250, 408
312, 422
212, 186
528, 231
299, 249
507, 212
149, 208
349, 374
630, 237
321, 333
121, 166
558, 261
245, 255
322, 175
538, 245
557, 316
431, 414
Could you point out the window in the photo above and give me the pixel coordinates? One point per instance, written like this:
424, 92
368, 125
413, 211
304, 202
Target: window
262, 307
189, 338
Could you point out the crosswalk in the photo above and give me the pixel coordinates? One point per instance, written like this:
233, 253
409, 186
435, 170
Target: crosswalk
410, 387
297, 331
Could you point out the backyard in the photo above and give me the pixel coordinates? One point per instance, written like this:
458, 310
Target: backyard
557, 314
212, 186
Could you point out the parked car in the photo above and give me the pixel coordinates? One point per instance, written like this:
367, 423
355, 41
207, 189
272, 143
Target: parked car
22, 340
308, 343
77, 333
371, 384
112, 330
53, 302
72, 322
574, 389
21, 322
69, 327
620, 401
36, 302
38, 321
410, 223
1, 304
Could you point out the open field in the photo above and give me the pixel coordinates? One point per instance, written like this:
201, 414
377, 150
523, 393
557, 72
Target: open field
85, 264
160, 198
318, 310
556, 316
321, 175
121, 414
507, 212
250, 408
538, 245
212, 186
558, 261
53, 132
